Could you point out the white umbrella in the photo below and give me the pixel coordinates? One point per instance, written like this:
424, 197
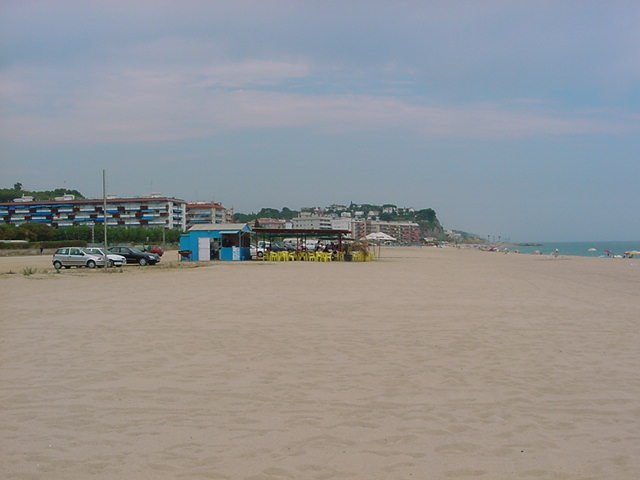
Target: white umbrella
380, 237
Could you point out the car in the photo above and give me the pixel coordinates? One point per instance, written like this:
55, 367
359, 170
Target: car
256, 252
135, 255
157, 249
114, 259
68, 257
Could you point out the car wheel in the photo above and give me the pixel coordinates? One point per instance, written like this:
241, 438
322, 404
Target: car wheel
260, 254
91, 264
142, 261
57, 265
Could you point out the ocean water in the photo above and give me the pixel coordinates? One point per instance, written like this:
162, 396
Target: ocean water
580, 249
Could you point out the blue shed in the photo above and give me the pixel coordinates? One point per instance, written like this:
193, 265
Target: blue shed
221, 241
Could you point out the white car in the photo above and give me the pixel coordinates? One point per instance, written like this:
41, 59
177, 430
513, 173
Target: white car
257, 251
114, 260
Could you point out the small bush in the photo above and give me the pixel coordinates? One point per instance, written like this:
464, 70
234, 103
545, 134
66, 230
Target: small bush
29, 271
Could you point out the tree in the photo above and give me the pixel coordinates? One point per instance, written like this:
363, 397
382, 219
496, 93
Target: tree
288, 214
427, 215
36, 232
269, 213
17, 186
243, 217
8, 232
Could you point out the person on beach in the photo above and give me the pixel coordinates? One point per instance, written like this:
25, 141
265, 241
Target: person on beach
556, 252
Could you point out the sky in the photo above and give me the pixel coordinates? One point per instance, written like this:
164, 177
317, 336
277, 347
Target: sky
516, 119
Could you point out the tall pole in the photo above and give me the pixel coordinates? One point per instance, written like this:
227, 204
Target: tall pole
104, 216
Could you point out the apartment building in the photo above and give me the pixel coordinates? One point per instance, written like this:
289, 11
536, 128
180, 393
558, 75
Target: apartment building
341, 223
199, 213
273, 223
312, 222
151, 211
404, 232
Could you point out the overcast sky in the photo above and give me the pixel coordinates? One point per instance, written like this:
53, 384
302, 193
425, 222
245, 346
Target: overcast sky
519, 119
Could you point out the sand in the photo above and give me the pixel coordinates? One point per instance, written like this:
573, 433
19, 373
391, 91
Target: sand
429, 363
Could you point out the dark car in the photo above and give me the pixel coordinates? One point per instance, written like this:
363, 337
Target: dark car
281, 247
135, 255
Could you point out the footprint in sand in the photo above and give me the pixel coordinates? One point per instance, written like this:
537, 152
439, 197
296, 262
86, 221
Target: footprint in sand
457, 448
465, 472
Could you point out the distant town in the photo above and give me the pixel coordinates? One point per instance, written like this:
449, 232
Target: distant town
61, 208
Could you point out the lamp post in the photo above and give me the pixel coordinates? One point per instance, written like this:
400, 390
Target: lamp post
104, 216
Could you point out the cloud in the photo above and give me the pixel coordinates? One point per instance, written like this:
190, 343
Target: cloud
251, 73
172, 87
154, 105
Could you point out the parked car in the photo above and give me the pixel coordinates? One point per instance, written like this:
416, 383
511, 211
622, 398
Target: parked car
135, 255
157, 249
257, 252
68, 257
114, 259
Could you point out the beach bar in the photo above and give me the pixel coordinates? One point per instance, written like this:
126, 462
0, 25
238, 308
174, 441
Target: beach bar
320, 245
227, 242
300, 234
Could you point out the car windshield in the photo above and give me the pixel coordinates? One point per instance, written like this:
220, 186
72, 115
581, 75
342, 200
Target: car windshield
94, 251
136, 250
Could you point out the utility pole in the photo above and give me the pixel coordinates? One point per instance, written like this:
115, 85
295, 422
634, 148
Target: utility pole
104, 217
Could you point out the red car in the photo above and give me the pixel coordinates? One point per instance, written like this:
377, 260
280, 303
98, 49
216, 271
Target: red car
157, 249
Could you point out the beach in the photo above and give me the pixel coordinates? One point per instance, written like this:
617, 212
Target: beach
427, 363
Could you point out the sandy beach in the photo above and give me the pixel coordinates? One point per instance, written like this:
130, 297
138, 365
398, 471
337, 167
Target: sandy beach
429, 363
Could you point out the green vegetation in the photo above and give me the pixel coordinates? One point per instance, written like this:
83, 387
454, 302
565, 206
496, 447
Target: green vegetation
8, 194
284, 214
49, 237
27, 271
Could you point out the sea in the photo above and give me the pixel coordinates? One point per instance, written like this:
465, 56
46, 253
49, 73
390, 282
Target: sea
580, 249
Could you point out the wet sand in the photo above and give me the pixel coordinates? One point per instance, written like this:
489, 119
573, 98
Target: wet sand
429, 363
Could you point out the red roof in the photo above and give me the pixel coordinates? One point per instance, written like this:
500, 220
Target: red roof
205, 205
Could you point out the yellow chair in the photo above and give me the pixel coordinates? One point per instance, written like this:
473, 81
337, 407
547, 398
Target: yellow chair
325, 256
273, 257
311, 256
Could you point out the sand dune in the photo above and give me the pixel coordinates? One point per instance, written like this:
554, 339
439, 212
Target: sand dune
429, 363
